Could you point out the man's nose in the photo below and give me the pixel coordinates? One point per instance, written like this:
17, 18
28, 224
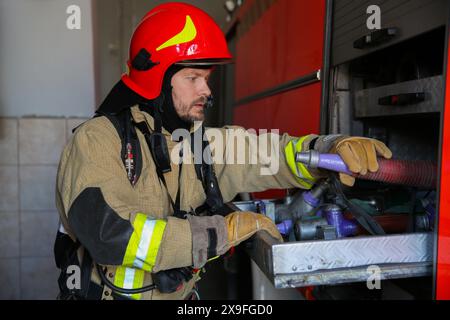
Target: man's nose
204, 90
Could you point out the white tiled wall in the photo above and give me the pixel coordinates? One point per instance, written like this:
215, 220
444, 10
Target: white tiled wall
29, 155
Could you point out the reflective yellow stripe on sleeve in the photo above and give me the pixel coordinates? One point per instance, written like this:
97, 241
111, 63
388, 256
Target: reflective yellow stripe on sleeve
129, 278
144, 243
298, 169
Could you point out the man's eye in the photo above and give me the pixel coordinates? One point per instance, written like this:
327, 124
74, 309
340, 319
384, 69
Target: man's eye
192, 78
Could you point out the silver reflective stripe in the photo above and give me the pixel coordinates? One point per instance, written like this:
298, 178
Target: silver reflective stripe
129, 278
144, 243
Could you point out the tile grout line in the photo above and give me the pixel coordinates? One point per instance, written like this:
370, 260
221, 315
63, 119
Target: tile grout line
20, 208
39, 165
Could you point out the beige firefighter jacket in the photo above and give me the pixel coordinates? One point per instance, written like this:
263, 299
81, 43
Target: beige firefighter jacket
91, 165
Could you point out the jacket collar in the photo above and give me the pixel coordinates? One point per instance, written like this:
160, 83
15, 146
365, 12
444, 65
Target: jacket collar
140, 115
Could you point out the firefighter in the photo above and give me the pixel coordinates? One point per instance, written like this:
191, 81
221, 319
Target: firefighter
139, 225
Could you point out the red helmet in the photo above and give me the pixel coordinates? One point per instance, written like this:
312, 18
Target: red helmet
172, 33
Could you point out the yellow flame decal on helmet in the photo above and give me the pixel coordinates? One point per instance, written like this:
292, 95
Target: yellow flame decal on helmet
188, 33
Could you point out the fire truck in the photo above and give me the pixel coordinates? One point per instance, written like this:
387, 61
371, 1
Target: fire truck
374, 68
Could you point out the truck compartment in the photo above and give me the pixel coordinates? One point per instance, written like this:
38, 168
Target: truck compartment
394, 94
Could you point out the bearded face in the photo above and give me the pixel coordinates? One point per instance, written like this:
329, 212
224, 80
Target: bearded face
190, 92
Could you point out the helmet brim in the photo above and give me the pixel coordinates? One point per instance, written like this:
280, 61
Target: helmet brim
204, 62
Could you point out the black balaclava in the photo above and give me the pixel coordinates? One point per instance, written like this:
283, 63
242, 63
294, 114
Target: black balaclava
169, 116
121, 97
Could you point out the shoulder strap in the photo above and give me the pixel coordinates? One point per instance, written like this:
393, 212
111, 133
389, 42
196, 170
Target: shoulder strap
206, 174
86, 268
157, 145
204, 171
131, 149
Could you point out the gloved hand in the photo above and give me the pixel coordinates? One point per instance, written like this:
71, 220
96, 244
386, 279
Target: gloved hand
241, 225
213, 236
359, 154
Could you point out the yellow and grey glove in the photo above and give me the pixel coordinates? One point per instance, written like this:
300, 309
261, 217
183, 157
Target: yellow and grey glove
358, 153
213, 236
241, 225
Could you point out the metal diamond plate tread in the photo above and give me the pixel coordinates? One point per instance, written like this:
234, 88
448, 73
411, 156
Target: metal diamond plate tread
311, 256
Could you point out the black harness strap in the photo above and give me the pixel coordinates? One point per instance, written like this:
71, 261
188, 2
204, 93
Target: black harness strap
65, 251
205, 172
159, 171
86, 268
131, 149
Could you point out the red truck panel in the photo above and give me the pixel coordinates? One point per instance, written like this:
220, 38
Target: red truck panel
443, 245
284, 44
295, 112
